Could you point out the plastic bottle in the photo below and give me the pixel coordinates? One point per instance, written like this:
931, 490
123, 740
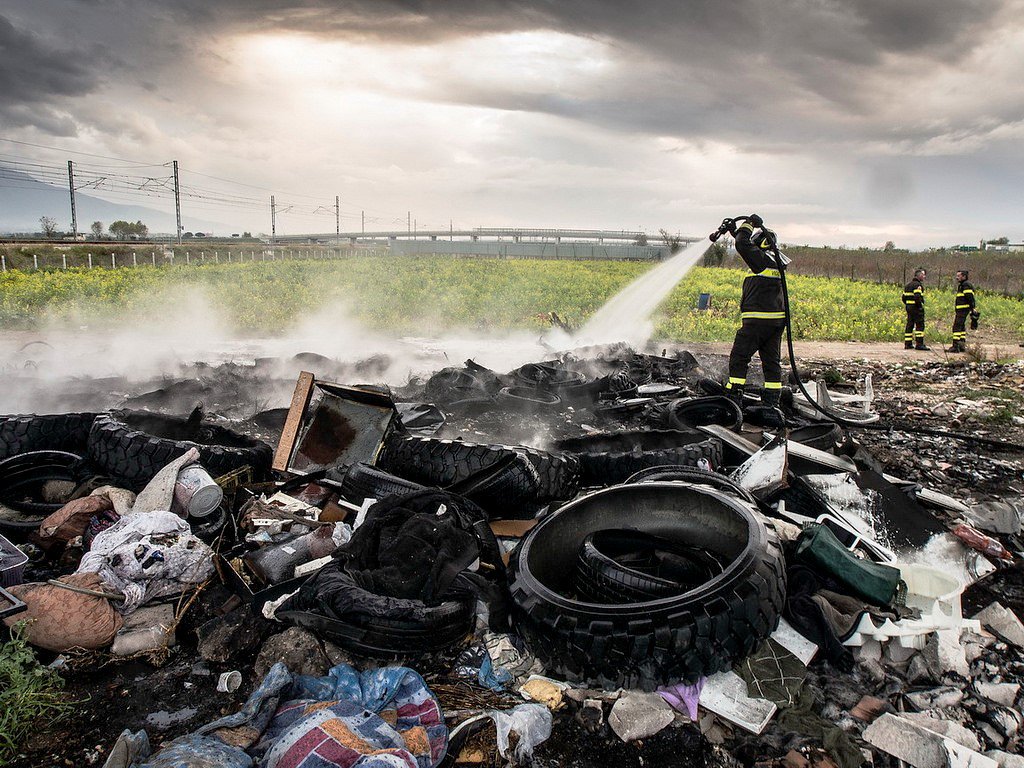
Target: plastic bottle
978, 541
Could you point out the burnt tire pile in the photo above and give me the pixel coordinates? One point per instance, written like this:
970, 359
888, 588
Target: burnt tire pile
133, 446
59, 432
635, 612
534, 477
607, 459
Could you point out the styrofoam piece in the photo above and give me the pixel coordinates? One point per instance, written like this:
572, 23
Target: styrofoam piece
794, 642
927, 586
725, 694
936, 594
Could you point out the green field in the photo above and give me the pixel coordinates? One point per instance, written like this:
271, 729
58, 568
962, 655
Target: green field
432, 294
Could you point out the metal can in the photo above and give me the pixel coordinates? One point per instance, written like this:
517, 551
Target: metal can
196, 493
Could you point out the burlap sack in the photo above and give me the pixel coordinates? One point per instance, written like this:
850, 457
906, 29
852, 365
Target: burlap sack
69, 522
59, 619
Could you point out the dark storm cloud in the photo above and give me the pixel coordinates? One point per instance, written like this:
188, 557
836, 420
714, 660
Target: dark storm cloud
693, 67
34, 77
816, 70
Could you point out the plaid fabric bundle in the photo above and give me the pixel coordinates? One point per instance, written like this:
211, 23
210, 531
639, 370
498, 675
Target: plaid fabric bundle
381, 718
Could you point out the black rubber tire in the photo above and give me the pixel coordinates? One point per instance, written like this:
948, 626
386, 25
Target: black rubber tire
451, 384
507, 490
133, 456
612, 458
443, 463
676, 473
58, 432
643, 645
362, 481
548, 376
26, 471
527, 399
824, 436
389, 627
602, 576
701, 411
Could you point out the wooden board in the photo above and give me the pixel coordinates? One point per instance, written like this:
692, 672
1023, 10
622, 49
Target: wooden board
290, 433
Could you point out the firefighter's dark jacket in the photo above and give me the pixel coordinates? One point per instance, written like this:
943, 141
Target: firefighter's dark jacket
913, 295
964, 296
762, 288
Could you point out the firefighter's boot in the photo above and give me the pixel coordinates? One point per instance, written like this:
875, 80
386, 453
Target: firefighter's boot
770, 398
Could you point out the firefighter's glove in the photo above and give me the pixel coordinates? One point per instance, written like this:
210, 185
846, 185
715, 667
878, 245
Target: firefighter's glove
974, 319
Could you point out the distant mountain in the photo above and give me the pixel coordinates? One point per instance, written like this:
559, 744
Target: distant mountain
23, 199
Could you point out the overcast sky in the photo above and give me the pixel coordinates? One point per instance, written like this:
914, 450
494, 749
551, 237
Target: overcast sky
840, 121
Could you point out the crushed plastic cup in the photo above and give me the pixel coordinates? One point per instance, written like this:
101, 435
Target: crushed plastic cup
229, 682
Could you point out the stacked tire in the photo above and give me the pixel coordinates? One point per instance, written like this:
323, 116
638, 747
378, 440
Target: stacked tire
651, 639
448, 463
612, 458
132, 446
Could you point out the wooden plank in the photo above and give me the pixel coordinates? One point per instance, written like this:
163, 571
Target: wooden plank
290, 433
513, 529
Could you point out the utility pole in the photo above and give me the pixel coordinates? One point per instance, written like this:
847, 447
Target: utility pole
362, 215
408, 222
177, 201
337, 218
273, 221
451, 233
71, 189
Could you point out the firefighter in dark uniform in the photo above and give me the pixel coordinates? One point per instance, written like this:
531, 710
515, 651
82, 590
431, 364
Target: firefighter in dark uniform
963, 305
913, 301
762, 312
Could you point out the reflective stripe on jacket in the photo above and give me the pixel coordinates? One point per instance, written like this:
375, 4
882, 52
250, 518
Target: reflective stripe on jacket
762, 288
913, 294
964, 296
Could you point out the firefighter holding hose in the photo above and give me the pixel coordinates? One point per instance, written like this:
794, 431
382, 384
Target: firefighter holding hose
762, 311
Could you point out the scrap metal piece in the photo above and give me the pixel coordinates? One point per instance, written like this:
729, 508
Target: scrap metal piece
329, 425
765, 472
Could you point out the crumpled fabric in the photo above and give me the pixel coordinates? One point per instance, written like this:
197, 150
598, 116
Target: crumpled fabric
159, 492
145, 556
379, 718
807, 618
70, 522
121, 499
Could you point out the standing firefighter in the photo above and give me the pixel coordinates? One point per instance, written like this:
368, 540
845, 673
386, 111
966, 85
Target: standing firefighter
762, 312
963, 305
913, 300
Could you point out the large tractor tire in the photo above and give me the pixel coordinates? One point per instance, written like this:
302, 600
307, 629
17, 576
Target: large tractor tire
649, 642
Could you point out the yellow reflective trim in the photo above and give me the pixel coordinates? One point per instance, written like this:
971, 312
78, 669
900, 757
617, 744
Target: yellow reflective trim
919, 290
773, 385
968, 290
766, 273
746, 225
734, 380
763, 315
962, 306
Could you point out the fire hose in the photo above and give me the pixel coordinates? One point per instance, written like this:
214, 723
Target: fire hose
781, 262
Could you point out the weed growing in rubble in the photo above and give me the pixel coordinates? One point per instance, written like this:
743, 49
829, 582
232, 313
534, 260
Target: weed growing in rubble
428, 295
29, 694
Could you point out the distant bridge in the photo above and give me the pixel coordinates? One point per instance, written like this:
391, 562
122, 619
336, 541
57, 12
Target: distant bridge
514, 234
